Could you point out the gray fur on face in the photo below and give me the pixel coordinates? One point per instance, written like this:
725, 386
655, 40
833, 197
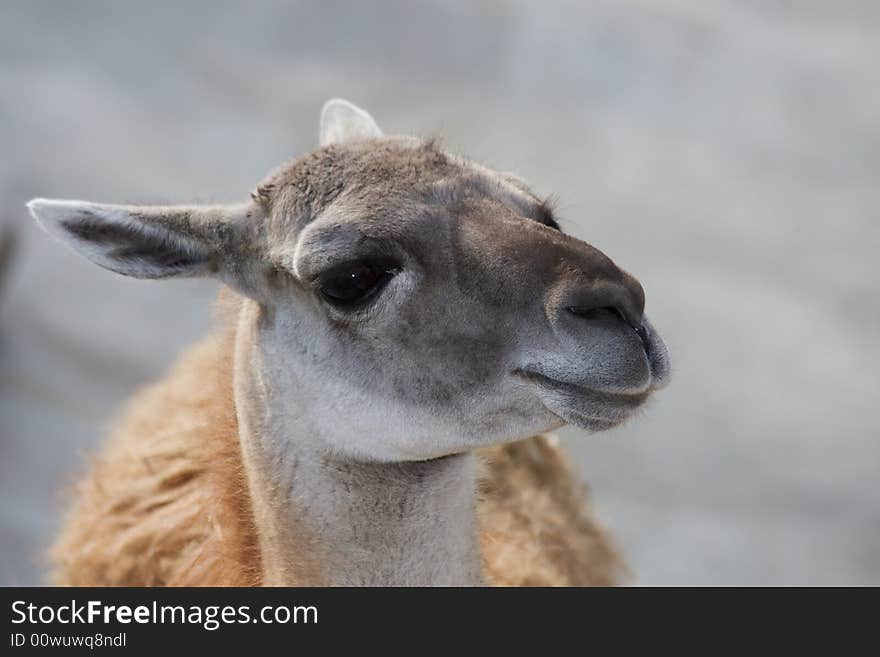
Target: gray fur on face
472, 341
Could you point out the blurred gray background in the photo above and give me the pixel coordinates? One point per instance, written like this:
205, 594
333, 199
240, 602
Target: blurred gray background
727, 153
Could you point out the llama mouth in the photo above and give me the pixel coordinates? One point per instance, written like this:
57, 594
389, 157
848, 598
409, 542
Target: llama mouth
587, 408
656, 353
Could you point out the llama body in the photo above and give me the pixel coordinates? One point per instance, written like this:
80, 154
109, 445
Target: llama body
403, 323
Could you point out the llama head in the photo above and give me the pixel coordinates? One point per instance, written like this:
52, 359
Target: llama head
404, 302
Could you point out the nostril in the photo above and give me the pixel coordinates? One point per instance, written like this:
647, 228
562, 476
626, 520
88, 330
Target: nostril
603, 312
607, 299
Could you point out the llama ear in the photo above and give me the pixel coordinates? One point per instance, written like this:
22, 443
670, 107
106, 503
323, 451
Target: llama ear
341, 121
144, 242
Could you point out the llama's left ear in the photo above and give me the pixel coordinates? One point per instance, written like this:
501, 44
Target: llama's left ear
342, 121
151, 241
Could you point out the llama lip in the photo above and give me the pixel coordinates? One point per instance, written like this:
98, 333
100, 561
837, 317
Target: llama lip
642, 332
588, 408
612, 398
656, 353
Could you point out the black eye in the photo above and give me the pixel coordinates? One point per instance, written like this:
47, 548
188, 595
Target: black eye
353, 284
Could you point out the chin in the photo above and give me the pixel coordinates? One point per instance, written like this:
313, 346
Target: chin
592, 423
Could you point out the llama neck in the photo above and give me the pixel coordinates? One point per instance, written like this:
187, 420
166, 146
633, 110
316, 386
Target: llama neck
327, 520
374, 524
330, 521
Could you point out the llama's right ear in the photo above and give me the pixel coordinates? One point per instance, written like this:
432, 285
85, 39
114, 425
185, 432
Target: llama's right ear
149, 242
343, 121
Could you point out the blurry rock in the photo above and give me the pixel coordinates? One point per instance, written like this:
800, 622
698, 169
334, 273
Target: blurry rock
8, 236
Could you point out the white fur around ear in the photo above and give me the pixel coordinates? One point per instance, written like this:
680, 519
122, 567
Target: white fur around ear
342, 121
142, 242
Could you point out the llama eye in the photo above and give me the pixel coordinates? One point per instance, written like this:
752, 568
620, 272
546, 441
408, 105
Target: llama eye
355, 283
